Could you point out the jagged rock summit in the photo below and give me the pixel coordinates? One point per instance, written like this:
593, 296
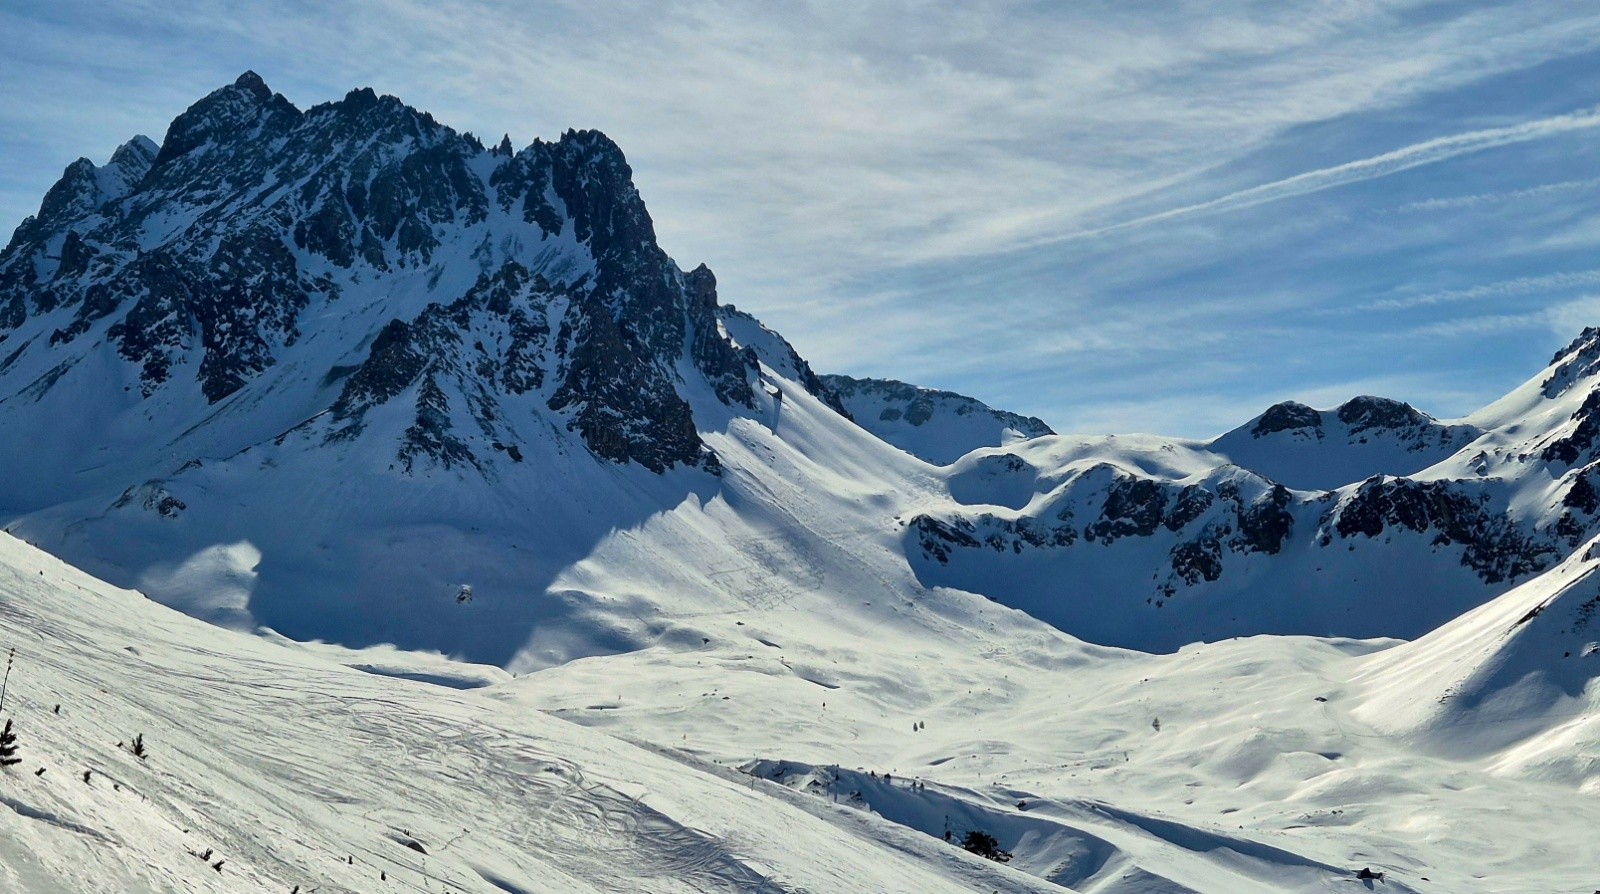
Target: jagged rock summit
191, 276
298, 366
1322, 449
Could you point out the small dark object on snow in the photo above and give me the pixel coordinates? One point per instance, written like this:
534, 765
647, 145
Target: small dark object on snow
383, 876
138, 747
86, 775
1366, 874
39, 772
58, 710
8, 747
984, 845
1022, 805
218, 865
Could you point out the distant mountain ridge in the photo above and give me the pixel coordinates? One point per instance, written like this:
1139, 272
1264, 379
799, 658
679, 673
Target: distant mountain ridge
938, 426
1378, 519
349, 374
1298, 446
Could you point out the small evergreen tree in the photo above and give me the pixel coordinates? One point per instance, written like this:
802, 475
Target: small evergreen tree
138, 746
984, 845
8, 747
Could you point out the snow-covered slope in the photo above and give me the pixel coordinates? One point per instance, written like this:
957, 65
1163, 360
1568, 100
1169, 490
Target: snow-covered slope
270, 769
798, 752
1518, 677
938, 426
1244, 765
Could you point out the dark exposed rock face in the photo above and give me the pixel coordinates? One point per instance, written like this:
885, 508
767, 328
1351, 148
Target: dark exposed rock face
201, 260
1582, 495
1192, 502
1288, 416
1451, 512
1238, 515
1133, 508
1362, 413
1578, 360
1265, 522
1579, 443
726, 367
1202, 525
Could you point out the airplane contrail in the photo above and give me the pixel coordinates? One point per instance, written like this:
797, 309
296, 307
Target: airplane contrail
1402, 159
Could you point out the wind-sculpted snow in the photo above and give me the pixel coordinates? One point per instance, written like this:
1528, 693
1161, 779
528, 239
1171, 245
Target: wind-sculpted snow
1518, 677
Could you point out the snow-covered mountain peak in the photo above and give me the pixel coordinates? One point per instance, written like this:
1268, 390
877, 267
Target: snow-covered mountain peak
276, 298
261, 242
1578, 361
937, 426
1315, 449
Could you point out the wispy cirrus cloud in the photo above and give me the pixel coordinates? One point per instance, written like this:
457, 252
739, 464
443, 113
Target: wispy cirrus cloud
1427, 152
1483, 199
1051, 205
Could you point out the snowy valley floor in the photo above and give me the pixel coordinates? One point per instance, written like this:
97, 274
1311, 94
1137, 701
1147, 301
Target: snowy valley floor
294, 771
751, 765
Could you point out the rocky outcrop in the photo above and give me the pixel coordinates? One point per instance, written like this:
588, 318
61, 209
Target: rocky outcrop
203, 259
1287, 416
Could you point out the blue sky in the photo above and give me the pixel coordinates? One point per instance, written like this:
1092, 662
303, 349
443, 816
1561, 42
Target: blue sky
1124, 216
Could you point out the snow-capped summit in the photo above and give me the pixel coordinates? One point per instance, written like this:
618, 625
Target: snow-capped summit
263, 248
937, 426
1309, 449
197, 338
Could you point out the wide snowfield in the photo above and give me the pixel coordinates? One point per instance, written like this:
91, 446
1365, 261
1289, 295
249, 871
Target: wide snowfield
1271, 769
293, 771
